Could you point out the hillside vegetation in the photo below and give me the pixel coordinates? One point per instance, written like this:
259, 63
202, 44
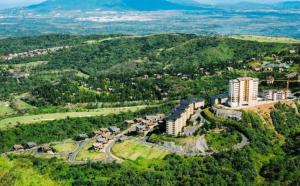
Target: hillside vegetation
114, 76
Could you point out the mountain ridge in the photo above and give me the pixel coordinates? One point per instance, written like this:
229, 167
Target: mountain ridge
144, 5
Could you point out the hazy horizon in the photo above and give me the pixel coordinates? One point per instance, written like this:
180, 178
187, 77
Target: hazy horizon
15, 3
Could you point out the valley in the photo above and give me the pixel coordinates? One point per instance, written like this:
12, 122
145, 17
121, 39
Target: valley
211, 21
90, 113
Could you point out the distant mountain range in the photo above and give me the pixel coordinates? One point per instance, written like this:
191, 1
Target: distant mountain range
140, 5
146, 17
151, 5
251, 5
289, 5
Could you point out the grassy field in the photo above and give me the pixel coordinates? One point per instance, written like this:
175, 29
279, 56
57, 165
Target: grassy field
64, 147
5, 109
183, 141
223, 140
21, 105
266, 39
132, 150
86, 154
11, 122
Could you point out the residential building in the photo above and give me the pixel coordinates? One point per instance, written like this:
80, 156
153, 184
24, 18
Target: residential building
98, 146
18, 147
180, 115
243, 92
219, 99
31, 145
275, 95
114, 129
101, 139
227, 113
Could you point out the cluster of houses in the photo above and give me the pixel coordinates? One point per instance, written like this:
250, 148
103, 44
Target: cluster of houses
44, 148
160, 76
103, 136
144, 125
32, 53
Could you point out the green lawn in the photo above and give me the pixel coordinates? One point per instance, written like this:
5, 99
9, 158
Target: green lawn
13, 121
64, 147
21, 105
5, 109
86, 154
132, 150
182, 141
223, 140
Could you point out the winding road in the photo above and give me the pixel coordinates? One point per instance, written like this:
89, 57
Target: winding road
72, 156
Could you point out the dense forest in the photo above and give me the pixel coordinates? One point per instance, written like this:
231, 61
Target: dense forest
25, 44
127, 68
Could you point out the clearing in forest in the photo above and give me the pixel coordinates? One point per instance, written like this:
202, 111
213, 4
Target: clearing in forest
132, 150
266, 39
13, 121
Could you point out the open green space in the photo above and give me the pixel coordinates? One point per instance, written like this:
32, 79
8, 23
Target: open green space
5, 109
11, 122
89, 154
28, 65
64, 147
183, 141
19, 104
223, 140
132, 150
267, 39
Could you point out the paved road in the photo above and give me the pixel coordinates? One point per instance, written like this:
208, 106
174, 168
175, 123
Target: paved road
107, 150
243, 143
81, 144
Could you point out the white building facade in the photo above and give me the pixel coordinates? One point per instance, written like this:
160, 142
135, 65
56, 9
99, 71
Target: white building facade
243, 92
181, 114
276, 95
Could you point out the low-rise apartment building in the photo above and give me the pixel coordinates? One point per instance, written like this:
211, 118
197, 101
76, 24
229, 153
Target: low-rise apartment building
181, 114
275, 95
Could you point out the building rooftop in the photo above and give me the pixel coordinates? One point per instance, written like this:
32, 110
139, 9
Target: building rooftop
114, 129
140, 127
179, 109
242, 79
101, 140
223, 95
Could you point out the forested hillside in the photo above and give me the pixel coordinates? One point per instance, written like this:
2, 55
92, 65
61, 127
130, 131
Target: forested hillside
94, 83
125, 68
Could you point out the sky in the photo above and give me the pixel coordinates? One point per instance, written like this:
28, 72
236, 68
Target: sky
236, 1
19, 1
27, 2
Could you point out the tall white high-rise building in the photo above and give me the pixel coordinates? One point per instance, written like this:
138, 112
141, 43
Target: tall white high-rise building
243, 92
